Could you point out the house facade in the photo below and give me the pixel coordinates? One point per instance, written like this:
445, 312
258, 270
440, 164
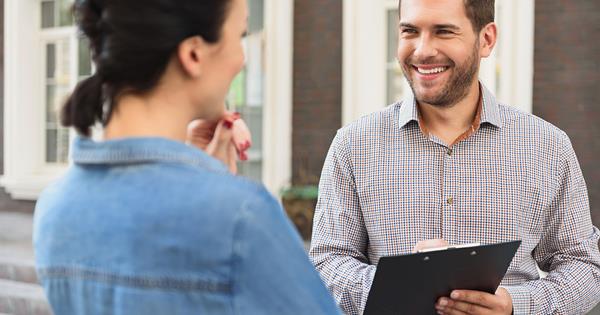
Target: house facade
312, 67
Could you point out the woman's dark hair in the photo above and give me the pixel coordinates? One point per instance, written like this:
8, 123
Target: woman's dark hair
132, 42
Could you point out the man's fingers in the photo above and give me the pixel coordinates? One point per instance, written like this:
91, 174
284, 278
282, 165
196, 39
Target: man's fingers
453, 307
474, 297
430, 244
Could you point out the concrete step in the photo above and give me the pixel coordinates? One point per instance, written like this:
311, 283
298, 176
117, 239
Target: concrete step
18, 269
20, 298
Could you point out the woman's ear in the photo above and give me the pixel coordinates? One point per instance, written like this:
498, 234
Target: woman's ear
192, 54
487, 38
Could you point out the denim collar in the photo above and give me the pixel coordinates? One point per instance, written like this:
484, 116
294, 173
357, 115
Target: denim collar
140, 150
490, 112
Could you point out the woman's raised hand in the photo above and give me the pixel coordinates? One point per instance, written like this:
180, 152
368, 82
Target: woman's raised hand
226, 140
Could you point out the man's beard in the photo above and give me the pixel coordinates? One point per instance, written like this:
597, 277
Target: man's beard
457, 86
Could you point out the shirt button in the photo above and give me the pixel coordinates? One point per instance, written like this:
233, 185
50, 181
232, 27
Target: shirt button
449, 152
450, 200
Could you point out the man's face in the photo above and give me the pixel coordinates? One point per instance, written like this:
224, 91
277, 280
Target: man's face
438, 50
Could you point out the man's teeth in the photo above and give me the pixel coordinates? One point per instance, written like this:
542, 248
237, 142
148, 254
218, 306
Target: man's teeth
432, 71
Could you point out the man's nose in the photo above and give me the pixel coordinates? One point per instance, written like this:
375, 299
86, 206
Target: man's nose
425, 48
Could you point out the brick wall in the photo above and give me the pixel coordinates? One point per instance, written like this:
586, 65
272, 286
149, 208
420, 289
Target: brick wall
566, 88
317, 85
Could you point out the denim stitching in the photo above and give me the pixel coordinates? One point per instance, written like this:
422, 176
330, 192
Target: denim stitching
133, 281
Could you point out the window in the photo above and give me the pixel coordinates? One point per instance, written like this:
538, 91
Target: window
45, 59
66, 61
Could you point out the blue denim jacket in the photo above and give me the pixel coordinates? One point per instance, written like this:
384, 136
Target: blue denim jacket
152, 226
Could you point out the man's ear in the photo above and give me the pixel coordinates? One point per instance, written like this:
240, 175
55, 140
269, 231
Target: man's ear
192, 53
487, 39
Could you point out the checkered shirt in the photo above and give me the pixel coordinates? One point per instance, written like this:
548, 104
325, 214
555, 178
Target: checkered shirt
386, 186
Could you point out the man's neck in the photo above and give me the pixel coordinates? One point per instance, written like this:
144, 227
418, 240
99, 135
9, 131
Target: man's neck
450, 122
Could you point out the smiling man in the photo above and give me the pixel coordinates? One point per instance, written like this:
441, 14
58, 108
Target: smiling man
452, 164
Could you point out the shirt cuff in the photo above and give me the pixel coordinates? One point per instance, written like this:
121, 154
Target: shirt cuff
521, 299
368, 282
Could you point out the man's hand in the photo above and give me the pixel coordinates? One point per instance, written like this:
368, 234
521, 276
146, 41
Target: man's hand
426, 244
225, 140
463, 302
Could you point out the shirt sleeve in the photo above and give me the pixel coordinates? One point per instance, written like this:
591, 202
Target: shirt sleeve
271, 270
339, 240
568, 250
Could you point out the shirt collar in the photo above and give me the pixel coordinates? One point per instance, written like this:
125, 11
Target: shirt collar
140, 150
490, 109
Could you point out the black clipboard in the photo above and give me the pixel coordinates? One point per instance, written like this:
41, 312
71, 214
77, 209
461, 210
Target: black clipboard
412, 283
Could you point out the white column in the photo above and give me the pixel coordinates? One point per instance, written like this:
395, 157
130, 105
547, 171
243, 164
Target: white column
277, 138
25, 173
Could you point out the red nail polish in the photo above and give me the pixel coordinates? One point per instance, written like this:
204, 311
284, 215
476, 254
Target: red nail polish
227, 124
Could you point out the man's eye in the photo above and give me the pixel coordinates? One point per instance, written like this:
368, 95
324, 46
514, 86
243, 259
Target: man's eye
408, 31
445, 32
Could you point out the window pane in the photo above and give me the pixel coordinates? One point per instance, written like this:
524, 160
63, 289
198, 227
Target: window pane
58, 86
396, 85
85, 58
50, 103
51, 135
65, 13
62, 148
251, 169
50, 60
255, 20
48, 14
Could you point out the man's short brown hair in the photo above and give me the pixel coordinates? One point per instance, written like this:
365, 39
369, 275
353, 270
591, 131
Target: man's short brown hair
479, 12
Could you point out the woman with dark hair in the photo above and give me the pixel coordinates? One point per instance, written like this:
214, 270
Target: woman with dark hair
150, 220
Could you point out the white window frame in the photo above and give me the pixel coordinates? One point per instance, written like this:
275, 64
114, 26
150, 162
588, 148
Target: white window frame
364, 56
26, 173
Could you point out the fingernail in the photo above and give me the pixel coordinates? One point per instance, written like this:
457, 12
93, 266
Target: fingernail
243, 156
443, 302
227, 124
454, 295
247, 144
